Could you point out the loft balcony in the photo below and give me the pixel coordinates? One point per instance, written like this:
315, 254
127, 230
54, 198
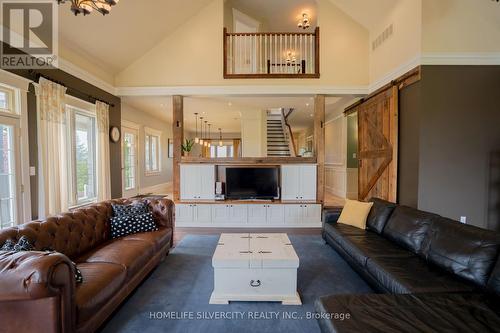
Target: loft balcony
259, 55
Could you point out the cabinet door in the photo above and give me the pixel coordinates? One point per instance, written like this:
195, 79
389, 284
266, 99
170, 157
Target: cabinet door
290, 182
202, 213
239, 214
293, 214
311, 213
275, 214
308, 179
206, 178
190, 182
257, 214
221, 213
183, 214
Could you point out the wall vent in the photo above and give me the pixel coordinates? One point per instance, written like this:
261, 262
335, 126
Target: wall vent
382, 37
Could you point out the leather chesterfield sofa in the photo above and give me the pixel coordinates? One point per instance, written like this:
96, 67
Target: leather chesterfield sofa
38, 291
432, 274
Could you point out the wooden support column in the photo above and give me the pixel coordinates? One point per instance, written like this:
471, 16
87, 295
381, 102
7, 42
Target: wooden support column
178, 135
319, 144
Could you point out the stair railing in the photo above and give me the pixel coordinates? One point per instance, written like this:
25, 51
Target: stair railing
287, 130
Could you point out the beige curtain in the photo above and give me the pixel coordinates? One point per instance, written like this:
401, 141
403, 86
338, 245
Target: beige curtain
53, 195
103, 166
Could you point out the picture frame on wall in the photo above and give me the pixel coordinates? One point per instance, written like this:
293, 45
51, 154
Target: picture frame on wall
170, 148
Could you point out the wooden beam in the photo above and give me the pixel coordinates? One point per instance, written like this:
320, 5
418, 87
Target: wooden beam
178, 135
319, 144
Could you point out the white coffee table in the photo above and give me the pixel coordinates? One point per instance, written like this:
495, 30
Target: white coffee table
255, 267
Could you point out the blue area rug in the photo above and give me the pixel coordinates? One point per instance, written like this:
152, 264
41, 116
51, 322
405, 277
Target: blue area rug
174, 298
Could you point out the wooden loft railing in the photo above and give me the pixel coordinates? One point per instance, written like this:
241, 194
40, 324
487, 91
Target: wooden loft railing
271, 55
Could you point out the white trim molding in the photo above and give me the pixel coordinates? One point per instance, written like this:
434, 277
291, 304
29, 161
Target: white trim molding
86, 76
394, 74
474, 59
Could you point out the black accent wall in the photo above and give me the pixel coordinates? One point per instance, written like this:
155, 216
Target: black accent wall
449, 141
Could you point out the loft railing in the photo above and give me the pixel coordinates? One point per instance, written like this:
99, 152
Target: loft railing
271, 55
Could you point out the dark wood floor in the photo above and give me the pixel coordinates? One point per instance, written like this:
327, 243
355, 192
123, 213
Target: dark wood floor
179, 233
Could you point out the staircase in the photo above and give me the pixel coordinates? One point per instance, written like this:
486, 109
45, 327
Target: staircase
277, 144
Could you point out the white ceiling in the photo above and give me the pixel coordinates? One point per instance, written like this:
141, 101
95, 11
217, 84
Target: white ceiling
278, 15
131, 29
225, 112
366, 12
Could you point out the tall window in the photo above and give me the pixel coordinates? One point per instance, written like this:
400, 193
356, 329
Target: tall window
83, 134
152, 151
6, 100
129, 160
7, 177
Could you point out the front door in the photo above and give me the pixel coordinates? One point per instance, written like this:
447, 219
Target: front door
130, 162
10, 168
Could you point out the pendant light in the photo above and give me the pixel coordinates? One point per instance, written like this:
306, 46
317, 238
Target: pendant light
209, 141
220, 137
205, 143
196, 138
201, 129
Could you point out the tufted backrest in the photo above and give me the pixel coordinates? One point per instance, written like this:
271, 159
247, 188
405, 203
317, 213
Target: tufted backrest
82, 229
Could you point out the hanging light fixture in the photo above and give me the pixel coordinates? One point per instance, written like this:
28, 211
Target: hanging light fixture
196, 138
86, 7
205, 143
201, 136
209, 141
304, 22
220, 137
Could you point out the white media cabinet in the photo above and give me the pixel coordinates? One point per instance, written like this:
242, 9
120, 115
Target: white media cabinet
296, 209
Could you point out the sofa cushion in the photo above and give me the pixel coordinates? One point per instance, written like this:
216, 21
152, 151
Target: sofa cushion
379, 214
101, 282
132, 254
336, 230
408, 228
159, 238
494, 280
406, 313
464, 250
400, 275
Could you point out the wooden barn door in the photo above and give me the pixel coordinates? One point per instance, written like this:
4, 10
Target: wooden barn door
378, 146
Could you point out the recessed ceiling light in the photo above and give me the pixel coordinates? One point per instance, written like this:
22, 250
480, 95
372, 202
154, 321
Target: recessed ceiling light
307, 104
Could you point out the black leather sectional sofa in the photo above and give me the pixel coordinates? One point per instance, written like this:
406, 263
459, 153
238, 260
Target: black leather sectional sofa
432, 274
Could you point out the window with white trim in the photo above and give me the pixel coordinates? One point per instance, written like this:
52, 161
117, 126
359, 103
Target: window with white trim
7, 100
152, 151
83, 169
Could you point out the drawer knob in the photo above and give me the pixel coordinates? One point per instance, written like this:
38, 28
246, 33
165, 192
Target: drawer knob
255, 283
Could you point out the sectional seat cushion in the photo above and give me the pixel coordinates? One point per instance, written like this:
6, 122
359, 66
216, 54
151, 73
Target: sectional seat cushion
355, 213
336, 230
379, 214
132, 254
400, 275
407, 313
464, 250
102, 281
408, 228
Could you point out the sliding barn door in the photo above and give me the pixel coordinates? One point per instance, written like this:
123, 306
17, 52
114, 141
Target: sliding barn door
378, 146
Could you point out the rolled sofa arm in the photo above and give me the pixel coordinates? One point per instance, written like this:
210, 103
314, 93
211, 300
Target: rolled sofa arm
331, 215
39, 283
163, 210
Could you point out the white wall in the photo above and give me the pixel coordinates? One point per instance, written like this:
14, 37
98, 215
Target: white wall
151, 183
253, 135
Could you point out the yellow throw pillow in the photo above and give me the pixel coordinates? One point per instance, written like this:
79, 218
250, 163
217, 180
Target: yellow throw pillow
355, 213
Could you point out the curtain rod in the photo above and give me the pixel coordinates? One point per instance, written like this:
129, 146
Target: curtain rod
88, 98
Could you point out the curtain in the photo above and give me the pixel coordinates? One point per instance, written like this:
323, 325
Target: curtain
103, 165
53, 187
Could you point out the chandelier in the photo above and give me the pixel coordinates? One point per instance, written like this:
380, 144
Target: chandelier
304, 22
86, 7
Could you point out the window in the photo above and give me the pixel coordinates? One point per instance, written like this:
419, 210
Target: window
7, 177
6, 100
83, 150
221, 151
152, 151
129, 160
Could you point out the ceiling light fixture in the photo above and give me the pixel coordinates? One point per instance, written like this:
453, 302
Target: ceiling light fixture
86, 7
201, 136
220, 137
196, 138
205, 143
209, 143
304, 22
290, 58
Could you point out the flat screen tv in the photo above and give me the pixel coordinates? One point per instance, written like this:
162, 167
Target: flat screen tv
252, 183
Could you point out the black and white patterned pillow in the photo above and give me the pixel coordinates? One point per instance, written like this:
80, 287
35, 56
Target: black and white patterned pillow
133, 209
128, 225
23, 244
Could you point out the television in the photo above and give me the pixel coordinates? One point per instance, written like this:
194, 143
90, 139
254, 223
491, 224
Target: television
252, 183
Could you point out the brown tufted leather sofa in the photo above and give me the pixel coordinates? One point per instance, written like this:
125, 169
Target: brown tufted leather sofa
38, 292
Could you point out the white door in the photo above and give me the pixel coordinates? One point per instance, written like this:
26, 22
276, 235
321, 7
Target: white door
130, 161
257, 214
202, 214
190, 182
311, 213
308, 180
206, 179
275, 214
10, 169
290, 182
